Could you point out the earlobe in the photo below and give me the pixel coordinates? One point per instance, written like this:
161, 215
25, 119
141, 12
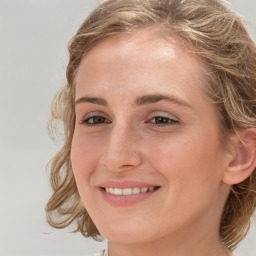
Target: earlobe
243, 162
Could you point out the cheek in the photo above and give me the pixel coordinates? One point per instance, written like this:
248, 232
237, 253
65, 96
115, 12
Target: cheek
190, 160
84, 156
191, 166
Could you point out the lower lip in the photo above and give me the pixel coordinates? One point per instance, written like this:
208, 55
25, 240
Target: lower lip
127, 200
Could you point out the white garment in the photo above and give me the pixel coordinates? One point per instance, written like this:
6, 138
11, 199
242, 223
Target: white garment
105, 253
101, 253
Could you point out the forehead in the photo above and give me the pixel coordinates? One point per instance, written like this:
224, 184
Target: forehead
141, 50
143, 42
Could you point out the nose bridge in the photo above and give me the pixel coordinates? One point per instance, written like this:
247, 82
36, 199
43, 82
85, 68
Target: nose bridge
121, 150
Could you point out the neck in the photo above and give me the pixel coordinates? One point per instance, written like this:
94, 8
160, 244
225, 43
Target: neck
194, 242
169, 248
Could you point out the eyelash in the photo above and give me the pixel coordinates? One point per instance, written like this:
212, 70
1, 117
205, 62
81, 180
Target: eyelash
159, 121
87, 121
166, 121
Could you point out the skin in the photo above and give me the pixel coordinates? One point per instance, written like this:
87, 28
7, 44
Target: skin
180, 152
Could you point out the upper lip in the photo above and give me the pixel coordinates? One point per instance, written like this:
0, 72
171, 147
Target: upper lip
126, 184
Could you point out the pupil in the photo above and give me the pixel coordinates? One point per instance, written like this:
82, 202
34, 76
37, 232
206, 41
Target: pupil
160, 120
98, 119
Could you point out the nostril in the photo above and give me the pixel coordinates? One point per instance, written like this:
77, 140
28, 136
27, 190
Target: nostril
126, 166
120, 160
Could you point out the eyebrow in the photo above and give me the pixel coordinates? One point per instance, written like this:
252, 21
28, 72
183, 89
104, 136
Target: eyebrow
93, 100
142, 100
147, 99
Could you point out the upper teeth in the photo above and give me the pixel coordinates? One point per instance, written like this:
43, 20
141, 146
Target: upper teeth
128, 191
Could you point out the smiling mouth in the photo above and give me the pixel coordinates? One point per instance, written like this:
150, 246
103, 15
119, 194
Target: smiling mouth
129, 191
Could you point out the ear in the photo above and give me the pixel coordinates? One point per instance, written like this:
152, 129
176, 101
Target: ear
243, 160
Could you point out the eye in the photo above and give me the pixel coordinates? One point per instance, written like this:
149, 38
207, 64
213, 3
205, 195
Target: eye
162, 120
95, 120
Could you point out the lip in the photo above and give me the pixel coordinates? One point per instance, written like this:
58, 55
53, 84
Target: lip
126, 184
125, 200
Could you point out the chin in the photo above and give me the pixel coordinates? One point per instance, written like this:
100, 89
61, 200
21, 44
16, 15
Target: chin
126, 234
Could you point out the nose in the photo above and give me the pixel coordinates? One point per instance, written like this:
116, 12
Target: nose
122, 150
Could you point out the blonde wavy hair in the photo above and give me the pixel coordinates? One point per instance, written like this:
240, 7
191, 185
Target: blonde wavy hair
213, 33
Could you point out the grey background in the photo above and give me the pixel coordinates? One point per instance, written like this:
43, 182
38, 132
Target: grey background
33, 57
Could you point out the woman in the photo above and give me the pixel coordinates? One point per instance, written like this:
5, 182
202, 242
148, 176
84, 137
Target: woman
159, 114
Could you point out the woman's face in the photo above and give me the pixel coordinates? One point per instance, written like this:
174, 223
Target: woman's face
146, 150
